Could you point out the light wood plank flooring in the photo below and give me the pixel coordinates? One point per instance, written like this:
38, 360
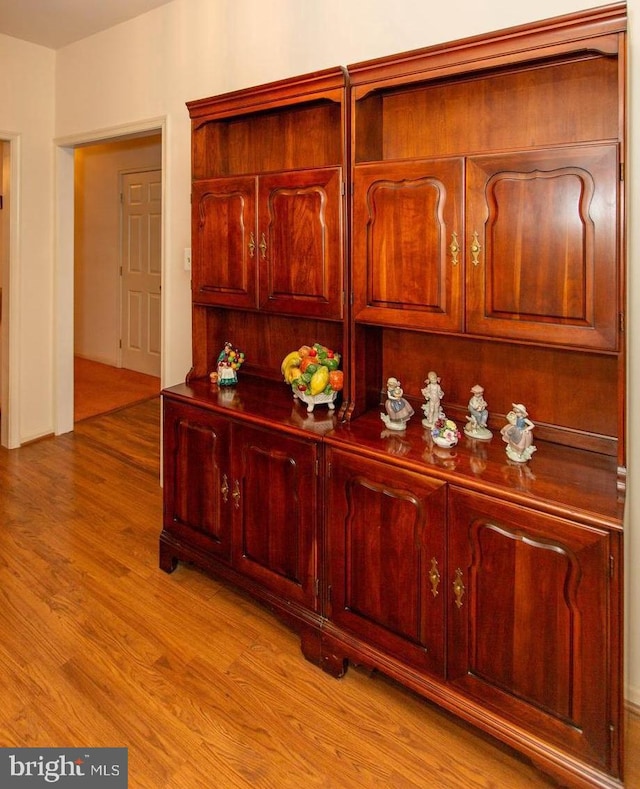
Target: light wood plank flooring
207, 690
101, 388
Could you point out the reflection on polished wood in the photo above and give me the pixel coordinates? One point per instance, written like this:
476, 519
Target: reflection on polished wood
206, 689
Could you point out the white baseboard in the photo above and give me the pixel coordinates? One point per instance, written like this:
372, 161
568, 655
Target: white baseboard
632, 700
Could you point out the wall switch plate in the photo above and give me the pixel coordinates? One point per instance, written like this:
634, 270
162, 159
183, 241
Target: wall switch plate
187, 259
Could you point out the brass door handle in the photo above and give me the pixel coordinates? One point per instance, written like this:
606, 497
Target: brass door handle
252, 245
236, 494
224, 488
458, 587
434, 577
263, 246
454, 248
475, 249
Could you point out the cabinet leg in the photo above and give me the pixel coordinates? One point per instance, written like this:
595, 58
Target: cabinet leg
318, 651
311, 646
333, 664
167, 560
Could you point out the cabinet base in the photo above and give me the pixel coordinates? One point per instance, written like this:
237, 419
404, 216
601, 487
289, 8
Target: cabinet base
335, 649
303, 621
316, 651
332, 649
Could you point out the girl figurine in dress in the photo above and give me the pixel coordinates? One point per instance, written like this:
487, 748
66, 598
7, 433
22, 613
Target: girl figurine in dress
433, 395
518, 434
398, 410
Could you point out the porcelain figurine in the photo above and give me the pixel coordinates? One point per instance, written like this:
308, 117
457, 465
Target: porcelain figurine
230, 360
518, 434
398, 410
433, 395
476, 427
445, 432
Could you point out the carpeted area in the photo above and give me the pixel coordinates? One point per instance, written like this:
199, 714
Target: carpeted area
100, 388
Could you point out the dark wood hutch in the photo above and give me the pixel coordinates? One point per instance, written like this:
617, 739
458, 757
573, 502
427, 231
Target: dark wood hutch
458, 208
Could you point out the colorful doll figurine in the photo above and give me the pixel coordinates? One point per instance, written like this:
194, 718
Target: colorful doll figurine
476, 427
398, 410
518, 434
230, 360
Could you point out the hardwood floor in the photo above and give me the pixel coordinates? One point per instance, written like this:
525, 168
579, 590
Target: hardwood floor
207, 690
101, 388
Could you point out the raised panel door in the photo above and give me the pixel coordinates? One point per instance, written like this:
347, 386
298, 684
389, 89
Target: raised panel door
276, 512
224, 246
197, 474
141, 272
408, 266
529, 631
386, 559
543, 246
300, 243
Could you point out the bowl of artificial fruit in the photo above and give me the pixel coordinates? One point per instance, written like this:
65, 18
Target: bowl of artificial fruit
313, 374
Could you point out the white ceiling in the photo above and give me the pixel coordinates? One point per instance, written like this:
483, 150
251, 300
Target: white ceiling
55, 23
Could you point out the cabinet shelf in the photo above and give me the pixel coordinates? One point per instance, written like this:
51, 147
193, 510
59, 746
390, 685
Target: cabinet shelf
292, 124
451, 117
568, 392
558, 480
265, 338
258, 401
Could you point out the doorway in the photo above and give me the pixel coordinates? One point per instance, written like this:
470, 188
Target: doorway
65, 244
117, 271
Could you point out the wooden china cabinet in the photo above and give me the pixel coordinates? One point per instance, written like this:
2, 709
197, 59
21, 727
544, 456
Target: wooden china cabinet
242, 463
459, 209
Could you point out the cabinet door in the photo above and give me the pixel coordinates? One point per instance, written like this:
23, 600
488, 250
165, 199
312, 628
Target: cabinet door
197, 501
301, 243
407, 239
225, 252
543, 246
530, 632
385, 557
276, 512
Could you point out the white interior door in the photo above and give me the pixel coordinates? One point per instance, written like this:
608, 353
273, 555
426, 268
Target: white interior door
141, 271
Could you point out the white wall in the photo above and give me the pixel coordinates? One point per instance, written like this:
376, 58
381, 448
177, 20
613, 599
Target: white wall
26, 118
188, 49
98, 170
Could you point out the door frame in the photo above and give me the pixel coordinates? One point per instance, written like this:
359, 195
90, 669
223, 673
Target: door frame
10, 283
64, 256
